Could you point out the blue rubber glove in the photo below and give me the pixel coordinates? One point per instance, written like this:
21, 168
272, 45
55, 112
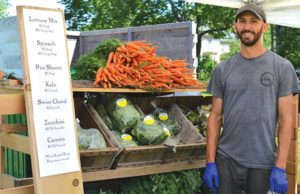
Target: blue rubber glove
278, 180
211, 177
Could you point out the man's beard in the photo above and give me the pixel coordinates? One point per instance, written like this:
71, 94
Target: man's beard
248, 42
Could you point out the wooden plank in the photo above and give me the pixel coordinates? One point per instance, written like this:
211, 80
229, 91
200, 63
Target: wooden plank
13, 127
291, 168
295, 117
2, 164
19, 190
292, 180
15, 141
292, 162
87, 86
10, 181
142, 170
12, 104
10, 89
125, 172
292, 157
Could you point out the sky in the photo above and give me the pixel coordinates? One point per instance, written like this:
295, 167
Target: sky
38, 3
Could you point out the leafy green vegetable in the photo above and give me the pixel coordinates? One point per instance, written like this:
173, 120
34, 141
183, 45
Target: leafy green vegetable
105, 47
190, 114
89, 138
104, 115
163, 116
83, 139
126, 142
204, 112
147, 134
173, 126
87, 66
182, 182
96, 139
122, 113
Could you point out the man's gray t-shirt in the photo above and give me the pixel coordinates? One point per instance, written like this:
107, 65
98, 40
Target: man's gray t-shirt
250, 89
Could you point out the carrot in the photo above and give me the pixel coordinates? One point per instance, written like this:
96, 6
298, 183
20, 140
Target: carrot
135, 65
133, 46
134, 62
123, 48
119, 49
98, 76
110, 57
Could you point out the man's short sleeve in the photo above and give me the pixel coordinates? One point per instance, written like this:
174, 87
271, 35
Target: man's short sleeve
288, 81
215, 83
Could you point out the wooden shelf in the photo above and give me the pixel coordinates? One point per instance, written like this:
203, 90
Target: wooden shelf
123, 172
87, 86
141, 170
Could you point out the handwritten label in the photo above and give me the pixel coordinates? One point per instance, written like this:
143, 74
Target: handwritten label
51, 91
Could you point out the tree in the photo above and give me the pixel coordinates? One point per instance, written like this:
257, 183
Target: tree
3, 8
107, 14
286, 42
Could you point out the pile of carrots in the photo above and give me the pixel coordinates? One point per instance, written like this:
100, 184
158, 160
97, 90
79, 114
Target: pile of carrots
135, 65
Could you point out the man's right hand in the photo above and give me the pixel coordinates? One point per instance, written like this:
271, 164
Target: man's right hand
211, 176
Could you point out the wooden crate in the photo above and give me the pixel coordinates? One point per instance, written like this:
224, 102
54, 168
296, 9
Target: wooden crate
153, 154
94, 159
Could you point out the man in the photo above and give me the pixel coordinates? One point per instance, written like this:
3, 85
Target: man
252, 101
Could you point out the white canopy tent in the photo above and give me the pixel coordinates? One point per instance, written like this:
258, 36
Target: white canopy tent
279, 12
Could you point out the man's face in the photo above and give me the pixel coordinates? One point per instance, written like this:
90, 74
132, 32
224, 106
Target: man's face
249, 28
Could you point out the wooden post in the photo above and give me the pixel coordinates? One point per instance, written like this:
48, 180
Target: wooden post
292, 163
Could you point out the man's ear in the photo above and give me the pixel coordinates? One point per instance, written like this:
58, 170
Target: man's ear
266, 27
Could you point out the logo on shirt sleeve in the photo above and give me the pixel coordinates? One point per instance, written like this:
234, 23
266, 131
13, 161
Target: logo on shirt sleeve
267, 79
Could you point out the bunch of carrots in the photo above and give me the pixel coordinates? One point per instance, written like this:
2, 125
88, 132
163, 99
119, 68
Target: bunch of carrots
135, 64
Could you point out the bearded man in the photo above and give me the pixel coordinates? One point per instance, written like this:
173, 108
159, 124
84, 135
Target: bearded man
252, 101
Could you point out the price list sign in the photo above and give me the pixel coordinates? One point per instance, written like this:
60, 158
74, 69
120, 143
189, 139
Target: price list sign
50, 85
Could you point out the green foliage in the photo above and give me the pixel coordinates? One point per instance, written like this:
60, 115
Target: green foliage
215, 20
181, 182
105, 192
97, 191
87, 65
234, 48
106, 47
287, 43
206, 65
107, 14
77, 13
3, 8
267, 39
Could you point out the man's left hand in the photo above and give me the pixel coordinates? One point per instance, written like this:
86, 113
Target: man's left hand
278, 180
